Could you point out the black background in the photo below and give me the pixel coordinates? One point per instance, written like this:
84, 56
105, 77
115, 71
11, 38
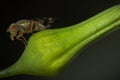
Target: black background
100, 61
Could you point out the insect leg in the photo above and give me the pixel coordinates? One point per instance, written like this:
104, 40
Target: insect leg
25, 41
22, 38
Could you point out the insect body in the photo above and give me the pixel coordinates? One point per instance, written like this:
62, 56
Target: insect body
25, 26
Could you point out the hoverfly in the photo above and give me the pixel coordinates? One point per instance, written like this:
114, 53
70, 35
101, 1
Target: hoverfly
20, 28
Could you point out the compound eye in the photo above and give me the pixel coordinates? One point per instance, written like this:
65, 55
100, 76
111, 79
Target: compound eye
13, 27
